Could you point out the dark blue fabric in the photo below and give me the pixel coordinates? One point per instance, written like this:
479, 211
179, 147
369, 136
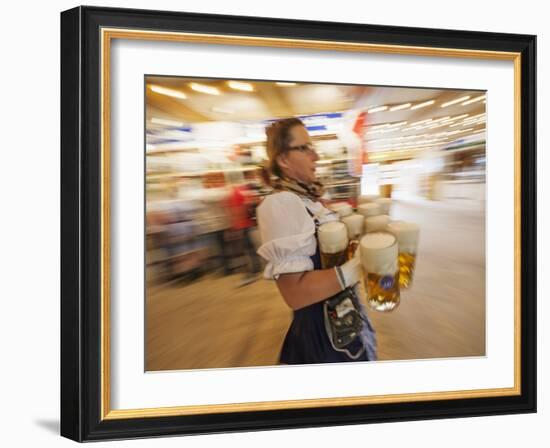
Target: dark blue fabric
306, 341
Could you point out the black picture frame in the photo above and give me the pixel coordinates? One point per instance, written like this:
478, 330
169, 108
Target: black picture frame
81, 211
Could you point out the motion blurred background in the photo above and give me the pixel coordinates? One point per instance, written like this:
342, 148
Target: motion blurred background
207, 304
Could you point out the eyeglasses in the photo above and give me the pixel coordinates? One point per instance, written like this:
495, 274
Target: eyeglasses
308, 147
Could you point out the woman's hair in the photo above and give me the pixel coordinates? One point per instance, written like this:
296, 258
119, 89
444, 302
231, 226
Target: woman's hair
278, 139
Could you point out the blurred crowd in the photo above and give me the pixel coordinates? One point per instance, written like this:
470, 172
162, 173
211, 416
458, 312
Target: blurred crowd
211, 231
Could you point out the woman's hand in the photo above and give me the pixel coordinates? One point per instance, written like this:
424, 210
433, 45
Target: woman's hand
351, 270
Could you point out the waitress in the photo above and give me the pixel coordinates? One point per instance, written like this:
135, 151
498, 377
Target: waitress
288, 219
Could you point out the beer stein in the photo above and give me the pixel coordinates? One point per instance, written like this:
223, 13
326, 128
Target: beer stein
354, 224
367, 198
368, 209
344, 210
376, 223
379, 252
333, 244
385, 204
336, 205
407, 240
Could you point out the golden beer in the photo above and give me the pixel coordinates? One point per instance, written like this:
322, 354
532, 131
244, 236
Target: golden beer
406, 269
379, 258
354, 224
407, 241
333, 244
376, 223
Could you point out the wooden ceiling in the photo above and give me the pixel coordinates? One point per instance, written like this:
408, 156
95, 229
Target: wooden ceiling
270, 100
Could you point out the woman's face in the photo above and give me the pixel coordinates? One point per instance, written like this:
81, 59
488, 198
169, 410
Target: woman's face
299, 164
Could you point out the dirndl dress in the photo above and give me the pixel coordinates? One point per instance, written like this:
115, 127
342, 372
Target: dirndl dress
307, 341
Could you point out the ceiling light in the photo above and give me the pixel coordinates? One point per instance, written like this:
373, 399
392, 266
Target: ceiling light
458, 100
169, 92
239, 85
437, 125
377, 109
473, 100
453, 119
432, 122
482, 114
424, 104
400, 107
474, 119
459, 132
420, 122
286, 84
204, 89
461, 116
395, 125
376, 128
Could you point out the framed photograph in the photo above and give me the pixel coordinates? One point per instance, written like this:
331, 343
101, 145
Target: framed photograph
271, 223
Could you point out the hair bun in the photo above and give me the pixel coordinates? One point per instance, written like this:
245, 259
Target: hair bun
270, 128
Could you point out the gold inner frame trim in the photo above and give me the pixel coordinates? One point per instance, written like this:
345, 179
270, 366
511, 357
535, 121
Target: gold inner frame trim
107, 35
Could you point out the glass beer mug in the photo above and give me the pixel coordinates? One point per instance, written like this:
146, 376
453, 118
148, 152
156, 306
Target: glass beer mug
367, 198
336, 205
354, 224
407, 241
379, 258
369, 209
385, 204
333, 244
344, 210
376, 223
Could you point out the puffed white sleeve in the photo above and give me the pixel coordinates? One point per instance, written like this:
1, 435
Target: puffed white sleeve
287, 234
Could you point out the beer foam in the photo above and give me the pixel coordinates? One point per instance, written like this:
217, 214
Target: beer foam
378, 251
367, 198
354, 224
333, 237
407, 235
369, 209
384, 204
336, 205
344, 210
376, 223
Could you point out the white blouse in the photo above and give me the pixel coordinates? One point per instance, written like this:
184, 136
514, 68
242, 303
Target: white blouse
287, 232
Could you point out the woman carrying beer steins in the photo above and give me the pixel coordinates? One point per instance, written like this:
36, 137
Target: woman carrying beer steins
329, 322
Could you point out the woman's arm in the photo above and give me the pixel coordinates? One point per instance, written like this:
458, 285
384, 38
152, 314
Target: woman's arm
288, 242
305, 288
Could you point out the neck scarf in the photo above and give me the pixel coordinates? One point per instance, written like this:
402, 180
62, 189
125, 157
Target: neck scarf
312, 191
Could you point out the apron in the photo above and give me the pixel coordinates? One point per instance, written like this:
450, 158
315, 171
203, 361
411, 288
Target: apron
307, 341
